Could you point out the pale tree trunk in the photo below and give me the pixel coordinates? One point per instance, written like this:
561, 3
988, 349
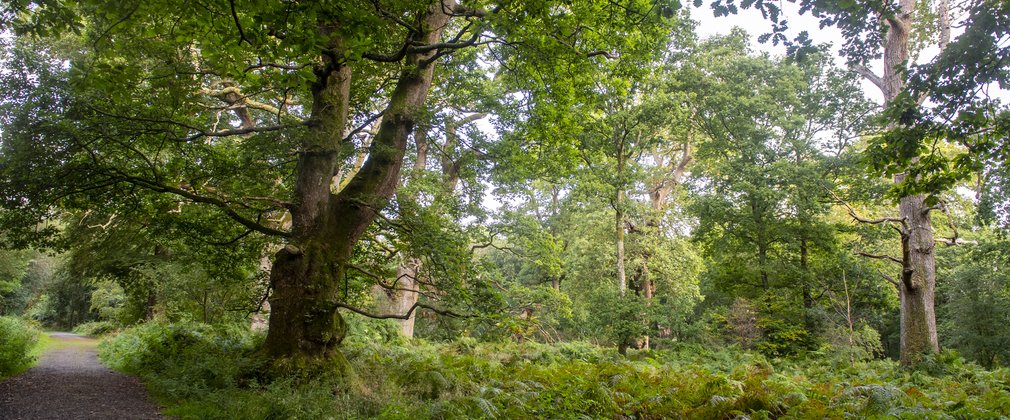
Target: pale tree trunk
660, 189
309, 272
918, 278
619, 210
403, 293
918, 319
622, 279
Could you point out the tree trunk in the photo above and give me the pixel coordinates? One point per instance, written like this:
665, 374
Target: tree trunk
918, 282
402, 296
622, 280
309, 273
917, 288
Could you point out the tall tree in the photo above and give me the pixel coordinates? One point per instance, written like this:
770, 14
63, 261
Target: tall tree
202, 101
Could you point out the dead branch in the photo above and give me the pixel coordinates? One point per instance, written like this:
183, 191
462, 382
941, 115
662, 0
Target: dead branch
880, 257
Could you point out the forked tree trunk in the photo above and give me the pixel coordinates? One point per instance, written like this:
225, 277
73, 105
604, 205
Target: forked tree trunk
309, 273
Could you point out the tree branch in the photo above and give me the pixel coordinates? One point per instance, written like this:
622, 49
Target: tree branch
234, 16
242, 131
223, 205
868, 75
888, 278
406, 315
880, 257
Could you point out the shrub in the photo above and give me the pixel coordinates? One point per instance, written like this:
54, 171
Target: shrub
185, 359
95, 328
17, 340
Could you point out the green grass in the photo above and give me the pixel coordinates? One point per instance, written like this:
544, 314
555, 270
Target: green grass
208, 373
44, 344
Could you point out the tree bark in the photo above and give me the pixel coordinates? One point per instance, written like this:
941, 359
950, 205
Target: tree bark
918, 285
309, 273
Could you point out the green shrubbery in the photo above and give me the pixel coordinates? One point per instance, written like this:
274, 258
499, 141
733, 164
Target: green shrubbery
17, 342
95, 328
212, 372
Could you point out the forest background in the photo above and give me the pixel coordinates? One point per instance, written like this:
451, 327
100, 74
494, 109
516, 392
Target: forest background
560, 196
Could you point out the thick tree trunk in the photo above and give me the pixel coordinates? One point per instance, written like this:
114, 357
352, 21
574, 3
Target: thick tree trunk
918, 282
308, 274
917, 288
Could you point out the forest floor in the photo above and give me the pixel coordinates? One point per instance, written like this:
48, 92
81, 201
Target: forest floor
70, 383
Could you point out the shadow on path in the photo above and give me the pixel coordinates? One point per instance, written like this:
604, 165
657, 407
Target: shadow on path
70, 383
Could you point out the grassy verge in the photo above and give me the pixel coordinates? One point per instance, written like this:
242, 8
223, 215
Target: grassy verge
44, 344
205, 372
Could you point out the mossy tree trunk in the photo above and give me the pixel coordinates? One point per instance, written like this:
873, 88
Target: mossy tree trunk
309, 272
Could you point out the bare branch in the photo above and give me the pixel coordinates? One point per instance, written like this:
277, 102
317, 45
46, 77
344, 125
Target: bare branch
880, 257
238, 25
856, 217
868, 75
223, 205
609, 55
363, 125
406, 315
243, 131
888, 278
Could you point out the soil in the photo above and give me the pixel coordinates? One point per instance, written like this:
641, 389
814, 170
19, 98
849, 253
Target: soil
70, 383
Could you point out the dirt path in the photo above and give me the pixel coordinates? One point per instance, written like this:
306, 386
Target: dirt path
70, 383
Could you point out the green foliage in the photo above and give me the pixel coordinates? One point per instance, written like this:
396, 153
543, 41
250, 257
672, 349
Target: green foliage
469, 379
184, 359
975, 313
17, 342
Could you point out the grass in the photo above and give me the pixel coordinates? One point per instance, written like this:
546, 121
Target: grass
43, 345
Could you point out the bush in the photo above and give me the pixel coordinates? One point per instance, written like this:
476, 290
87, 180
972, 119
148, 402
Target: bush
17, 340
185, 359
95, 328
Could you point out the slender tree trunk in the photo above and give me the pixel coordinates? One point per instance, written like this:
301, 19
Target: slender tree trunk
622, 280
849, 321
403, 295
309, 273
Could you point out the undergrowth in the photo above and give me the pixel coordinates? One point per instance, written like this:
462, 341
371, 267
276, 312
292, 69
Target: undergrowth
212, 372
95, 328
18, 345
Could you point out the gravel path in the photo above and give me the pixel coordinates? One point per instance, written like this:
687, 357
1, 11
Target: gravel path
70, 383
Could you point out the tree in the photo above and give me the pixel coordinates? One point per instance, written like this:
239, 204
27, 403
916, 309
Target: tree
249, 107
761, 182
